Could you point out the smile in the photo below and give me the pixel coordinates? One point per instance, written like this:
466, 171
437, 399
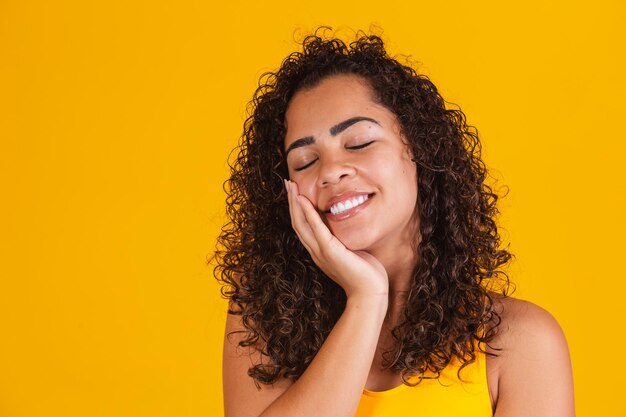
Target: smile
342, 206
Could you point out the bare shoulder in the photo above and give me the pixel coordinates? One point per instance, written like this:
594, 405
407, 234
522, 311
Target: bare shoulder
532, 371
242, 397
528, 326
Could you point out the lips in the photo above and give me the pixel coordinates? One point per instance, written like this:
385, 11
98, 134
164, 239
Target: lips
346, 205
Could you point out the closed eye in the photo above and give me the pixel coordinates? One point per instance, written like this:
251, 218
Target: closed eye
305, 166
361, 146
355, 147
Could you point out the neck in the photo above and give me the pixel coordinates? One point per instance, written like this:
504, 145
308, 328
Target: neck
399, 256
399, 262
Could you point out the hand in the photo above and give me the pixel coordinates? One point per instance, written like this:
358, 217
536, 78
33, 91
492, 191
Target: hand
357, 272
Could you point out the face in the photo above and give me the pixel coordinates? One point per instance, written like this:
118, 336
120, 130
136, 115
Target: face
348, 157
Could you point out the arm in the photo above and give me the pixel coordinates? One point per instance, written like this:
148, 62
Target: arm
333, 382
331, 385
535, 374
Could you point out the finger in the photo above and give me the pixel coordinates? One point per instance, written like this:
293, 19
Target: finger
301, 225
295, 211
319, 229
317, 226
294, 215
299, 222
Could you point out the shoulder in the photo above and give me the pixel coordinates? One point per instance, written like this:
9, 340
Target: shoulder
532, 368
528, 326
242, 396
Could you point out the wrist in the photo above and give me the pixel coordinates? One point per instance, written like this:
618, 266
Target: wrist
376, 303
372, 294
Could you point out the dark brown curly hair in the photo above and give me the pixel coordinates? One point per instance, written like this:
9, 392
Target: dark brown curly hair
288, 305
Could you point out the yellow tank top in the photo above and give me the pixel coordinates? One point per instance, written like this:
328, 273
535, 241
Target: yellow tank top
445, 397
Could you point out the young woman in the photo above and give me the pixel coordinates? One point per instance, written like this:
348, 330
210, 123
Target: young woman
362, 260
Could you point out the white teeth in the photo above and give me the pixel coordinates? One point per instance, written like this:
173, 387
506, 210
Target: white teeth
348, 204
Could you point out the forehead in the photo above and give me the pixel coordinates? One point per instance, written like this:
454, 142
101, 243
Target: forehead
313, 111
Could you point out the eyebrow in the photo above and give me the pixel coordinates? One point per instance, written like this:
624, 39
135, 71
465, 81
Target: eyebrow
334, 131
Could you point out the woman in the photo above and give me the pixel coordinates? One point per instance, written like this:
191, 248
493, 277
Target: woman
362, 260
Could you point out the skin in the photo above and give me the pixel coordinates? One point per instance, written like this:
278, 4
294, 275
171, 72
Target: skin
368, 252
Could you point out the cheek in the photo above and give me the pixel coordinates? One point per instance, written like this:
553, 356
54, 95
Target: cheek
391, 168
401, 175
306, 187
409, 175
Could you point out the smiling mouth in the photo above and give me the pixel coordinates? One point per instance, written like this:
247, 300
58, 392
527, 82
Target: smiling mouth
346, 208
346, 205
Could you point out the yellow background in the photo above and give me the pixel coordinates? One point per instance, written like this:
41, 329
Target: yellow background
116, 118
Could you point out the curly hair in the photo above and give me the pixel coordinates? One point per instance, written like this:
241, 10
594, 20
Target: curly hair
288, 305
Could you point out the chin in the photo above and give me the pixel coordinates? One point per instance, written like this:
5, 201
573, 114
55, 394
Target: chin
355, 241
353, 247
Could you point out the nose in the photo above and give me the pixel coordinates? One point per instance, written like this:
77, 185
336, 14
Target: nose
334, 170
